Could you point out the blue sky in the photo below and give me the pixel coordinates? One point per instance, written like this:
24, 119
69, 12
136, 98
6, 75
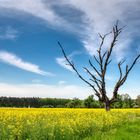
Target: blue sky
31, 63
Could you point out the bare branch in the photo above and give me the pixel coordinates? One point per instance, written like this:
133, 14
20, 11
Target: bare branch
96, 60
109, 62
129, 69
122, 79
95, 79
94, 68
104, 55
102, 39
73, 67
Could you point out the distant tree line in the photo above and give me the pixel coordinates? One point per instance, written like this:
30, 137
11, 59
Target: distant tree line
32, 102
124, 101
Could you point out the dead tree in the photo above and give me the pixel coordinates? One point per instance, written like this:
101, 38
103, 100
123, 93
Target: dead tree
97, 81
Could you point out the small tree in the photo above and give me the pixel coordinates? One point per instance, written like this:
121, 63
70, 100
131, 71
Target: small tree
74, 103
90, 102
127, 101
97, 81
138, 100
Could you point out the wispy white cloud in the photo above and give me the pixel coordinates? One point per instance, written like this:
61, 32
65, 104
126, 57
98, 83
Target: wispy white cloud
54, 91
97, 16
100, 16
42, 90
16, 61
8, 33
37, 8
63, 63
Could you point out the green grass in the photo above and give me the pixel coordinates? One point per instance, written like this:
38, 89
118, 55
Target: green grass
128, 131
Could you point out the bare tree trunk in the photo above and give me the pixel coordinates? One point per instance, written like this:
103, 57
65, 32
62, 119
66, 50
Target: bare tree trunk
107, 106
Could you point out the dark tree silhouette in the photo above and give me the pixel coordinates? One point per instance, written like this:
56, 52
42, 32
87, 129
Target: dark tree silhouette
97, 81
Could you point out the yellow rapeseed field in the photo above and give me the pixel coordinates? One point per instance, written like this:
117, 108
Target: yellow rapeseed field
51, 124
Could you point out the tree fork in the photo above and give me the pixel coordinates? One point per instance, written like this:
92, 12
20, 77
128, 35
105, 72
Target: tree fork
97, 81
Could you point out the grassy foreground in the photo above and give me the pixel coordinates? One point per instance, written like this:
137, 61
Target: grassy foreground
69, 124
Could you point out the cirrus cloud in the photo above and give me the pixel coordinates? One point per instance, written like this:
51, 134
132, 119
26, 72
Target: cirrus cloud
16, 61
95, 16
